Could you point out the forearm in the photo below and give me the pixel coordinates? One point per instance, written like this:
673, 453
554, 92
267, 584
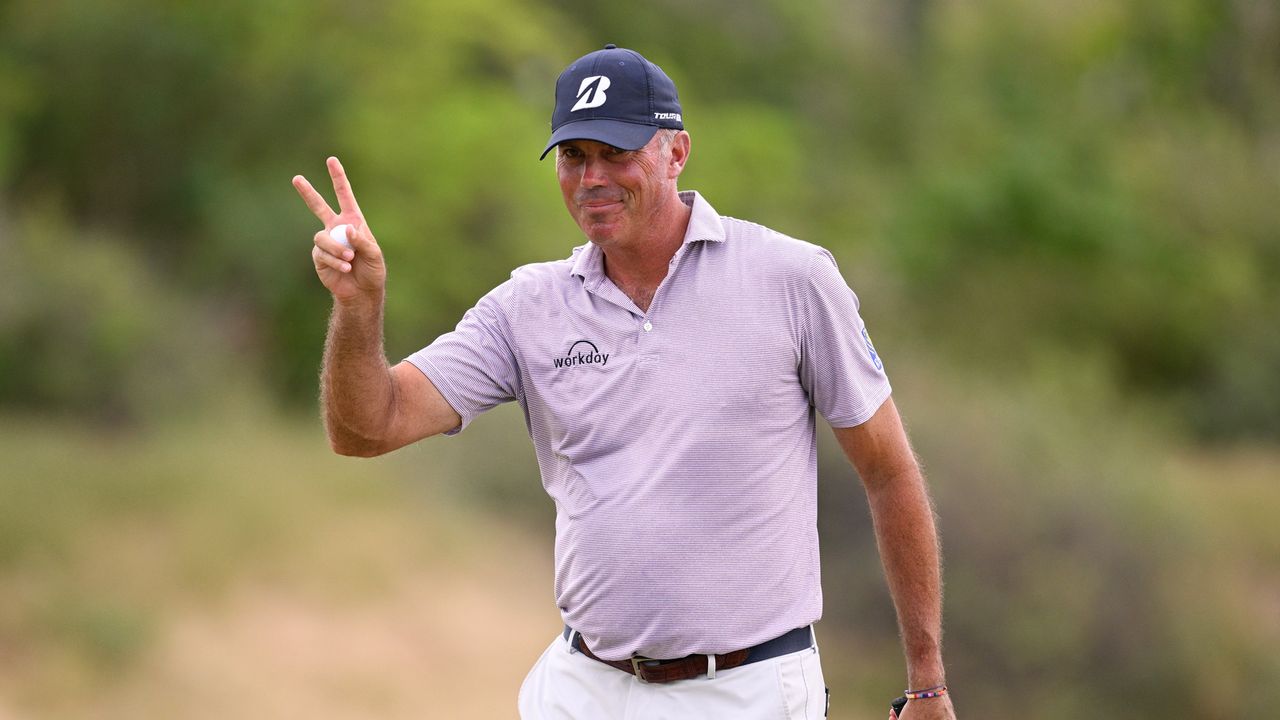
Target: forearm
907, 537
357, 389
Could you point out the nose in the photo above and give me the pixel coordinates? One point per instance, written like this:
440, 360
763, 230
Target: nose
593, 172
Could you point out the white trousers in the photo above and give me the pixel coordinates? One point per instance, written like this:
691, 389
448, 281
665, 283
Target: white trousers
566, 685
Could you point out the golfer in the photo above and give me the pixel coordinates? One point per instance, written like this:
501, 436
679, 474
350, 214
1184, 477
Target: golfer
670, 371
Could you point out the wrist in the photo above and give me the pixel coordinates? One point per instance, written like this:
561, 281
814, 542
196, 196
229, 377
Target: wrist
926, 674
934, 691
360, 305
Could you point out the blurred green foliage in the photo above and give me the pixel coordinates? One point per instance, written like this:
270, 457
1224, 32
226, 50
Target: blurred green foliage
1095, 178
1061, 219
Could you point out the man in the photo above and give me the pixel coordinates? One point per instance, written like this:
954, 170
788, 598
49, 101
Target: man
669, 370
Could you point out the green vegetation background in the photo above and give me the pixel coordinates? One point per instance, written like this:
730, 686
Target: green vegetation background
1063, 221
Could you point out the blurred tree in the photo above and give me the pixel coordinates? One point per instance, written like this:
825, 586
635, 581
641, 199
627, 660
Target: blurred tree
1079, 193
1090, 182
85, 327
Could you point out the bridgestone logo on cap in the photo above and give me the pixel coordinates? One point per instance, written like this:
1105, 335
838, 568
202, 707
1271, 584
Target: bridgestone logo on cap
591, 93
667, 116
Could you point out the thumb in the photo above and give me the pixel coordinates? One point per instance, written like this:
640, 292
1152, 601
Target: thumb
368, 253
360, 237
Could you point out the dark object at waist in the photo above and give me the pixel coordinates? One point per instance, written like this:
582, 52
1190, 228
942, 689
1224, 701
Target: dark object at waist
692, 666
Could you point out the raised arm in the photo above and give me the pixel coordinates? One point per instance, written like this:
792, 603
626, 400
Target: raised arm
907, 537
369, 408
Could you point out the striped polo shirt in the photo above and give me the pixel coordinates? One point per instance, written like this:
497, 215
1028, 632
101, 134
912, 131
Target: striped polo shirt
678, 444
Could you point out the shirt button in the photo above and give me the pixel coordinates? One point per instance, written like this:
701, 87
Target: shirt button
648, 326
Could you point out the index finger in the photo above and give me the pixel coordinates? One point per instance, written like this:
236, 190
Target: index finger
314, 201
341, 186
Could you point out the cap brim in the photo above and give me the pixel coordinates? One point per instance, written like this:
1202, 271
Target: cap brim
620, 134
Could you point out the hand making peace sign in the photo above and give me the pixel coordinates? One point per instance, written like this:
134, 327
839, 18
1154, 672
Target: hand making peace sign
348, 273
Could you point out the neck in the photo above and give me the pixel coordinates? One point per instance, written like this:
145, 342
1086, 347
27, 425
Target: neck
638, 267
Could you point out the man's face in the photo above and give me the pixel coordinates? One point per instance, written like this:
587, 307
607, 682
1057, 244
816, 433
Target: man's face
616, 194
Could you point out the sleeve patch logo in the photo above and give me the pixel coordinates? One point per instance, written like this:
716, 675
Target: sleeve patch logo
871, 350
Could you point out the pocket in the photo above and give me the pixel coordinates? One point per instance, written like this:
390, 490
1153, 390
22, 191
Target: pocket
528, 700
804, 692
819, 694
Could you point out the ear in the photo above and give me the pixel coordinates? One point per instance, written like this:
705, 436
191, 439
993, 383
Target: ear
679, 154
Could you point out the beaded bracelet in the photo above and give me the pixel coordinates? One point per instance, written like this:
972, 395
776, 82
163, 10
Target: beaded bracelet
933, 692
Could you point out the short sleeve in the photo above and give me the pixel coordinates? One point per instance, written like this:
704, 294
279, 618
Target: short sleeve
473, 366
839, 367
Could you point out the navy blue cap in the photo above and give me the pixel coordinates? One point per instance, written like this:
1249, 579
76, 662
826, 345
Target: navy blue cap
613, 96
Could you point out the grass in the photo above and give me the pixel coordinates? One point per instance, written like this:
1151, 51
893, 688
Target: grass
226, 564
231, 566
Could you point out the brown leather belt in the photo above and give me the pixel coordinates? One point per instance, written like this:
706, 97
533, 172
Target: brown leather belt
651, 670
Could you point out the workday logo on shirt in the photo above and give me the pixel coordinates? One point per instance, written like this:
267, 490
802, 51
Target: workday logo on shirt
582, 352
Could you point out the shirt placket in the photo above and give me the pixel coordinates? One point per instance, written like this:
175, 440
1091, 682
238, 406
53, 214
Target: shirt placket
645, 340
648, 339
604, 289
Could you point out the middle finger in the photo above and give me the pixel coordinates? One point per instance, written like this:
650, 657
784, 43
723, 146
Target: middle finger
342, 187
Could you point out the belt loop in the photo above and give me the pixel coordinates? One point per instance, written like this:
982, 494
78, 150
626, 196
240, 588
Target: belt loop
711, 667
572, 634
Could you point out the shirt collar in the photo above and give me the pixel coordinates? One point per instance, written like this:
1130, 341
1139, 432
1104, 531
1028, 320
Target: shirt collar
704, 224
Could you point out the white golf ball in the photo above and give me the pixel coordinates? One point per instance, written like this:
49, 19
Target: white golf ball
340, 234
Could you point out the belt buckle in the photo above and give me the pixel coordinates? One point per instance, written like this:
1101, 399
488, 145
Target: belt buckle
637, 664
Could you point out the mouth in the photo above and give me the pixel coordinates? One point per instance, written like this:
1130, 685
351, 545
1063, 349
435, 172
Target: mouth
596, 202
